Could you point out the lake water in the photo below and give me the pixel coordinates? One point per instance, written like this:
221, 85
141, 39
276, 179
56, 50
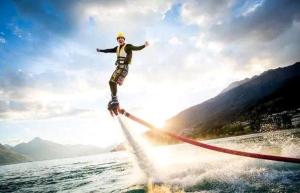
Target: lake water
177, 168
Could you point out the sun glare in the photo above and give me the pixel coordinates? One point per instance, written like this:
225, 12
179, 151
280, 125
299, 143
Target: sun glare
158, 112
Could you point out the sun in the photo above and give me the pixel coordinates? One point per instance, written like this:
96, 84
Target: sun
158, 111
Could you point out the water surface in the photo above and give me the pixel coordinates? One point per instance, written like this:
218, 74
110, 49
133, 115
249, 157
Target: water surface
183, 166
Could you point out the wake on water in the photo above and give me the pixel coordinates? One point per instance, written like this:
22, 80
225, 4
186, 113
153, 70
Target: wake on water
173, 168
154, 184
201, 169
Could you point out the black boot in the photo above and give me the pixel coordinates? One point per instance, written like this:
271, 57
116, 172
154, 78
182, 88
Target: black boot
113, 106
114, 100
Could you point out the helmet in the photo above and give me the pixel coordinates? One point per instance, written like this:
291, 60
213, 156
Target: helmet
120, 35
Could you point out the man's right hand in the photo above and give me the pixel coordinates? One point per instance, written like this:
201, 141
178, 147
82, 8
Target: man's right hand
146, 43
98, 50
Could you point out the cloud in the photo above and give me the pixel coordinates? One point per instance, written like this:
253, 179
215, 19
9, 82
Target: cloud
2, 40
132, 17
262, 20
70, 74
251, 6
71, 64
204, 12
266, 22
175, 41
32, 110
51, 69
64, 17
38, 96
247, 32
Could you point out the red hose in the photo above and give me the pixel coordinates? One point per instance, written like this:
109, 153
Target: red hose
211, 147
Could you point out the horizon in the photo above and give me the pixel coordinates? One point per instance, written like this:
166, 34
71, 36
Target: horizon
42, 139
54, 85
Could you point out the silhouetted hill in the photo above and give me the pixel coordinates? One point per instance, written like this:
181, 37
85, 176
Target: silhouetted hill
39, 149
8, 156
235, 84
249, 100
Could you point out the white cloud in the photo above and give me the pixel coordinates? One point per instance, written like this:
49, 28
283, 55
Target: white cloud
175, 41
254, 30
251, 8
2, 40
176, 71
131, 17
88, 72
205, 13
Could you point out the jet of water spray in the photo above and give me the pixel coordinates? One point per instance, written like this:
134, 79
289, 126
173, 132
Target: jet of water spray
140, 156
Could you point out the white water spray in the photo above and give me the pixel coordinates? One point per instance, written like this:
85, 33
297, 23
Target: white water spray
138, 152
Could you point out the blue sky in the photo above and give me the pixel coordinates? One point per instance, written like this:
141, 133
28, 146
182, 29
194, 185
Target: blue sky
54, 85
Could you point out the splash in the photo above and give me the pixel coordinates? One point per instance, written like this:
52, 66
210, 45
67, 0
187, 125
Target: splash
197, 169
162, 188
153, 183
140, 156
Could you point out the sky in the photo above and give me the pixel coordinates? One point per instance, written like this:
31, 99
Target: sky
54, 85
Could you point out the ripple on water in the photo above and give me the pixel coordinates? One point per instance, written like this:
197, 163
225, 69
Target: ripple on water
193, 169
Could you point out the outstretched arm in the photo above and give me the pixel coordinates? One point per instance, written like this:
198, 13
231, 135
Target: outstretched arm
134, 48
110, 50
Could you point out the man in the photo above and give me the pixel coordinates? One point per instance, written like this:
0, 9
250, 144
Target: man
124, 56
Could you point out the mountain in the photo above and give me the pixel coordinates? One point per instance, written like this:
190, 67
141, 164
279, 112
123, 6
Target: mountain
8, 156
235, 84
39, 149
8, 146
119, 147
247, 102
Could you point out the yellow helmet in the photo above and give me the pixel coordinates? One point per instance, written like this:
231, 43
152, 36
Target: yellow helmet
120, 35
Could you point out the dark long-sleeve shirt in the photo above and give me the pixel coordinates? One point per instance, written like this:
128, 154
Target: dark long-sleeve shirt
128, 49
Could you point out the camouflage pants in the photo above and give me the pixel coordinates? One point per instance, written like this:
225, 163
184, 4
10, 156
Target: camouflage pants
119, 74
